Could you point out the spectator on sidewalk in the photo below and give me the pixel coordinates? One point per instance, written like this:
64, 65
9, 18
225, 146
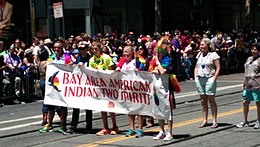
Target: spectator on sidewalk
2, 49
13, 73
28, 72
4, 83
251, 86
206, 72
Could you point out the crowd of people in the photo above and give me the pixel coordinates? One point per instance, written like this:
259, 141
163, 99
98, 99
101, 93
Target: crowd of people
197, 56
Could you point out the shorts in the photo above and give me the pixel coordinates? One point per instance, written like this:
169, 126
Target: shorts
171, 116
251, 95
206, 85
46, 108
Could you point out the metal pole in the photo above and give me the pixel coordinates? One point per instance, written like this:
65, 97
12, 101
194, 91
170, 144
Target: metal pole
32, 13
88, 14
63, 21
127, 14
158, 17
241, 19
50, 21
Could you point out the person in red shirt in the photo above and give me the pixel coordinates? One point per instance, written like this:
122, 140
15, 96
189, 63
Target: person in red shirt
185, 40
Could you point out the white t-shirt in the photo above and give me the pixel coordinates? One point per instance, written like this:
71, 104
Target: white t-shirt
205, 64
36, 48
129, 65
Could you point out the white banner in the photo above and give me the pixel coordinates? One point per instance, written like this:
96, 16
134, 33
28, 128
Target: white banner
126, 92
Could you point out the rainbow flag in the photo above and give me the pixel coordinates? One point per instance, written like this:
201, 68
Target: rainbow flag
152, 66
140, 58
175, 83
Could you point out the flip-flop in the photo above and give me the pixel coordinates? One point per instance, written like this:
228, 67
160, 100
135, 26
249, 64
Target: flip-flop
214, 126
203, 124
149, 125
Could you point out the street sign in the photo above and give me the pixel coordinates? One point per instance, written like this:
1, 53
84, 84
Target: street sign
58, 11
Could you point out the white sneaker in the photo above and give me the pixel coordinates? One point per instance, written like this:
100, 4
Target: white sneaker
257, 125
242, 124
159, 136
168, 136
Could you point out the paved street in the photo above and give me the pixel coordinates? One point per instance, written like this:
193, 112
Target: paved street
19, 124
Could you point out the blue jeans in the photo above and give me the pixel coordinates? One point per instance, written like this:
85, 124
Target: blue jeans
187, 62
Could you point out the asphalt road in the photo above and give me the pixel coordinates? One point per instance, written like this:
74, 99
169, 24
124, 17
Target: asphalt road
19, 124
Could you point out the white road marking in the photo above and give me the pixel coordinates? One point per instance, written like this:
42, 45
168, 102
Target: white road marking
186, 94
231, 81
56, 118
25, 118
192, 93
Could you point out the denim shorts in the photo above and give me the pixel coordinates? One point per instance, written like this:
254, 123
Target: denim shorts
251, 95
206, 85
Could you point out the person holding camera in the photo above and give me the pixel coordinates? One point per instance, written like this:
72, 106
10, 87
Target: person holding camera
188, 60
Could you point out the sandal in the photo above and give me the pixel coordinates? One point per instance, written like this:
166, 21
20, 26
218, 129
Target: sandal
214, 126
203, 124
150, 122
149, 125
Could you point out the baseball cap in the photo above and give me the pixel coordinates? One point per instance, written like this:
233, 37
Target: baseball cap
75, 51
12, 46
257, 45
28, 51
47, 41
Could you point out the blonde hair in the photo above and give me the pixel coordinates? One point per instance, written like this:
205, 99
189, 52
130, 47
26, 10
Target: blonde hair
208, 43
130, 48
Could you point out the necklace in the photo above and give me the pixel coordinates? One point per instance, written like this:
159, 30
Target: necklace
204, 60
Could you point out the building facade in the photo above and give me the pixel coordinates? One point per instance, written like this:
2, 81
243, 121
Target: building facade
36, 17
148, 16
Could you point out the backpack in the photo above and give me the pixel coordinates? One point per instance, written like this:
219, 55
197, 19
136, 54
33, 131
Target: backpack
43, 53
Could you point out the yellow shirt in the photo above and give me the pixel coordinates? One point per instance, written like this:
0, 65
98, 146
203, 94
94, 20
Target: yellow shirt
104, 62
